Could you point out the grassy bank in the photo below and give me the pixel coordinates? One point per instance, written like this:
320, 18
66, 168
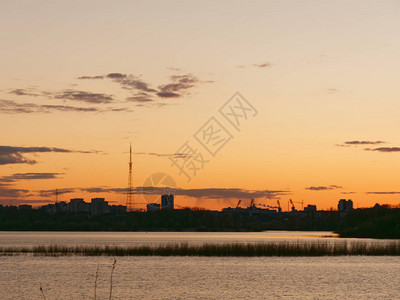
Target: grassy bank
231, 249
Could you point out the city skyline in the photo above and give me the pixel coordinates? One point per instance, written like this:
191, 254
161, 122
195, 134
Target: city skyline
78, 85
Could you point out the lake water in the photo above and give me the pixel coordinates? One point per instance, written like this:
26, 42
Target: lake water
354, 277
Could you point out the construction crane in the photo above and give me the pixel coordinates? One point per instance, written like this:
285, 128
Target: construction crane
300, 202
291, 202
237, 205
252, 203
279, 206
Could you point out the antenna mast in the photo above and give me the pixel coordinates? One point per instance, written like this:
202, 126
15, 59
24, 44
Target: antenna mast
129, 199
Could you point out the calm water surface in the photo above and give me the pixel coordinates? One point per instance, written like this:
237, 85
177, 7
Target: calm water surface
23, 238
355, 277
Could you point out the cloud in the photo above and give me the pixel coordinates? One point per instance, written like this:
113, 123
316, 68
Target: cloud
383, 193
206, 193
12, 193
384, 149
359, 143
229, 193
11, 107
66, 108
116, 75
22, 201
15, 155
27, 92
130, 82
28, 176
263, 65
52, 192
175, 155
323, 188
168, 95
178, 86
91, 77
84, 96
179, 83
363, 142
140, 98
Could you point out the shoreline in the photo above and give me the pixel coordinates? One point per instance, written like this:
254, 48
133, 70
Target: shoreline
213, 249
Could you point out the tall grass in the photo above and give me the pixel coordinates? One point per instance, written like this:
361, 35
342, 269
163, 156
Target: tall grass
226, 249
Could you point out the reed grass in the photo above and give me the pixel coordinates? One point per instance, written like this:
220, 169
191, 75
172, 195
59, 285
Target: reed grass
391, 248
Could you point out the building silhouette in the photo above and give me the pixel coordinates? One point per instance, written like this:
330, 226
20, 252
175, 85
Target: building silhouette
167, 201
98, 206
77, 205
153, 206
345, 205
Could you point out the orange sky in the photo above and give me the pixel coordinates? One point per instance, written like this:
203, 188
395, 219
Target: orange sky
83, 80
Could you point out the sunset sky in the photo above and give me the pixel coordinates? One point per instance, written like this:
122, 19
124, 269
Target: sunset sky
81, 80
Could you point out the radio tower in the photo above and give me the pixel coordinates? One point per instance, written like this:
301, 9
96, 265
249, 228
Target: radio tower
129, 199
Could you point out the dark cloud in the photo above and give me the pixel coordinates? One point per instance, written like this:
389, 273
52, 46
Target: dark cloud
179, 84
323, 188
168, 95
132, 82
264, 65
116, 75
87, 97
29, 176
383, 193
363, 142
384, 149
15, 155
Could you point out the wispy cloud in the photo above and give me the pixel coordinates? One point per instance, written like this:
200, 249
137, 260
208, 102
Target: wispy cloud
28, 92
323, 188
12, 107
263, 65
383, 193
384, 149
175, 155
12, 193
144, 94
363, 142
91, 77
29, 176
360, 143
94, 98
16, 155
205, 193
